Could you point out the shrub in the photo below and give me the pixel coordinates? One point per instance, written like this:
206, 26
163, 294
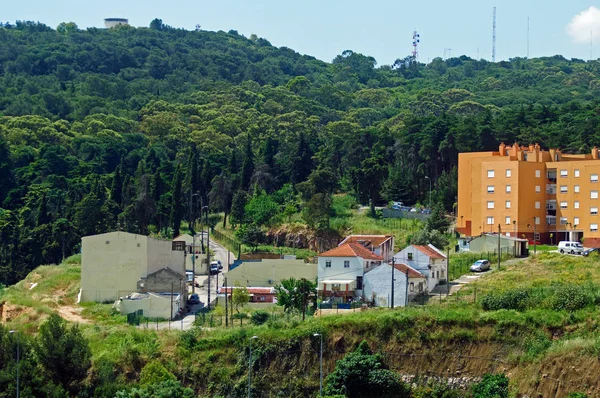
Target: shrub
491, 386
509, 300
577, 395
259, 317
571, 298
154, 373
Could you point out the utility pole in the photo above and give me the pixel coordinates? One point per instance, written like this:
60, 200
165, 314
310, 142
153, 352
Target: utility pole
171, 302
207, 253
534, 240
406, 290
499, 252
226, 304
393, 266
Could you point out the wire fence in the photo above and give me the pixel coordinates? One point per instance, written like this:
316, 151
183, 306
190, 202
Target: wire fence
228, 241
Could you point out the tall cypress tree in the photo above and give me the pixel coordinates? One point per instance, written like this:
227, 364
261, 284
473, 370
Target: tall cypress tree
193, 183
116, 191
248, 165
176, 202
42, 212
6, 179
268, 152
302, 161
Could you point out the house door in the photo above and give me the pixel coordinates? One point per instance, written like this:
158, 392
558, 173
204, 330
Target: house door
359, 283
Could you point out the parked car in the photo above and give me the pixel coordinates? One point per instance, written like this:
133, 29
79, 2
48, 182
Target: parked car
215, 267
426, 211
587, 252
480, 266
570, 247
194, 299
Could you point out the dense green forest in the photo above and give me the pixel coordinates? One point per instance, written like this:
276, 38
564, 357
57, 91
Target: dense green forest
137, 128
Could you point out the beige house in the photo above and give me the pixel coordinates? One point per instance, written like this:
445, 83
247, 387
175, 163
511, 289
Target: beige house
112, 263
193, 253
266, 273
153, 305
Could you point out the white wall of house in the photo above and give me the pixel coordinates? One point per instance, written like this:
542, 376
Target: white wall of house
378, 285
418, 260
338, 270
152, 305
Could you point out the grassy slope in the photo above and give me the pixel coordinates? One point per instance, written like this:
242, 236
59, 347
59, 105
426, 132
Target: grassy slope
526, 345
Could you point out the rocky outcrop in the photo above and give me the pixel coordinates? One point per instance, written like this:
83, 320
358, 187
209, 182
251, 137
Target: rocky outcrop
302, 238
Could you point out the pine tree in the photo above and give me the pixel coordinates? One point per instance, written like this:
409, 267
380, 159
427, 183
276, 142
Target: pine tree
268, 152
42, 212
302, 161
116, 191
248, 165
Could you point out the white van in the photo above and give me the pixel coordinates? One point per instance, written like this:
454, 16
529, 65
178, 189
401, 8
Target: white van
570, 247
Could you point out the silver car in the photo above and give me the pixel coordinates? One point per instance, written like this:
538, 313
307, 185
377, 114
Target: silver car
480, 266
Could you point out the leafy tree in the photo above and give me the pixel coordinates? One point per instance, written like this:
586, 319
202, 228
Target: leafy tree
362, 374
238, 204
239, 298
251, 235
165, 389
221, 195
154, 373
491, 386
296, 294
260, 208
437, 220
426, 236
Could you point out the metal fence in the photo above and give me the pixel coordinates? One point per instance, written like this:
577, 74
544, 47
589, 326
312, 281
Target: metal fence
228, 241
392, 213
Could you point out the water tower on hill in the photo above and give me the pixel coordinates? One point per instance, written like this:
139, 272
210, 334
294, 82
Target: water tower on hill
112, 22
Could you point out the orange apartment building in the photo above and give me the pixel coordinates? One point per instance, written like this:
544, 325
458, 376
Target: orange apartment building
546, 196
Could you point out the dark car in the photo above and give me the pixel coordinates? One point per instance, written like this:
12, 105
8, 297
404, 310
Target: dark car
480, 266
587, 252
194, 299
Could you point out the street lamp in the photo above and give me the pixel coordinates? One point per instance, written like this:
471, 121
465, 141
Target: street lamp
250, 365
427, 178
193, 246
207, 252
320, 365
13, 332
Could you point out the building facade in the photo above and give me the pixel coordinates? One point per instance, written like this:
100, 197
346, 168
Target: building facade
407, 284
382, 245
426, 259
527, 192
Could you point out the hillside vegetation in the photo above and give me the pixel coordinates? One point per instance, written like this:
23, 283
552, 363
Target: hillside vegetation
137, 128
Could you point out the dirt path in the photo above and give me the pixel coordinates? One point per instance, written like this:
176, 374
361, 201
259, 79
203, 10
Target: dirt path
71, 314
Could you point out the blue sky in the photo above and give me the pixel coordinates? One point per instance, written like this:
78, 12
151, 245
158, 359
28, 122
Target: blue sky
382, 29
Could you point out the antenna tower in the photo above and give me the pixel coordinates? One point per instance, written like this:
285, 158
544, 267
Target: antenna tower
494, 37
416, 40
527, 37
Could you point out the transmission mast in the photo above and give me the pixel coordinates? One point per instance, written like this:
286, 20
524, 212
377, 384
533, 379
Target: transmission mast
494, 37
416, 40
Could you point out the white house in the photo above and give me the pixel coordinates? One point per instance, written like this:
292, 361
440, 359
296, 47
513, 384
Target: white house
193, 252
341, 270
382, 245
428, 260
378, 284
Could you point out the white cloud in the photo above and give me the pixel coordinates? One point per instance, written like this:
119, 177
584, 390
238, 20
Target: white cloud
583, 23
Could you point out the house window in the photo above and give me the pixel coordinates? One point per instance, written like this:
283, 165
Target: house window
576, 204
508, 189
564, 173
507, 220
594, 211
508, 172
537, 204
328, 264
593, 177
563, 221
525, 156
576, 172
442, 274
563, 205
576, 189
490, 189
593, 227
537, 220
537, 173
490, 173
410, 256
437, 274
107, 242
593, 194
420, 287
359, 282
563, 189
412, 287
490, 204
576, 221
490, 221
538, 189
507, 204
346, 264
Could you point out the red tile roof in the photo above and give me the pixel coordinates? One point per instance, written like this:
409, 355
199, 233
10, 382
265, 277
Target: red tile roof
251, 290
429, 252
351, 250
374, 240
412, 273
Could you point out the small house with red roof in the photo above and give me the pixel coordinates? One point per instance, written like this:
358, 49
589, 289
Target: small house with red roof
428, 260
382, 245
408, 282
341, 271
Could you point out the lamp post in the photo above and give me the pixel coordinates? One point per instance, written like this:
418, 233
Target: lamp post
250, 366
207, 253
14, 332
427, 178
320, 365
193, 247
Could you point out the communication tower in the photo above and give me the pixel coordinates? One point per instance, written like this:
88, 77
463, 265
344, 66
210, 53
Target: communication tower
494, 37
416, 40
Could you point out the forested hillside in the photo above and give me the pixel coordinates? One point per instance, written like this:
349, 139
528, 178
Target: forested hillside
122, 128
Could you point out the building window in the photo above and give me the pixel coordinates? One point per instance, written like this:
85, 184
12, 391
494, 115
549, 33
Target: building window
328, 264
490, 173
508, 172
346, 264
412, 287
576, 189
537, 220
575, 221
490, 204
593, 194
538, 189
359, 282
507, 204
442, 274
410, 257
594, 211
508, 189
576, 204
593, 227
563, 189
507, 220
537, 204
490, 189
564, 173
563, 221
576, 172
525, 156
563, 205
593, 177
538, 174
490, 221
